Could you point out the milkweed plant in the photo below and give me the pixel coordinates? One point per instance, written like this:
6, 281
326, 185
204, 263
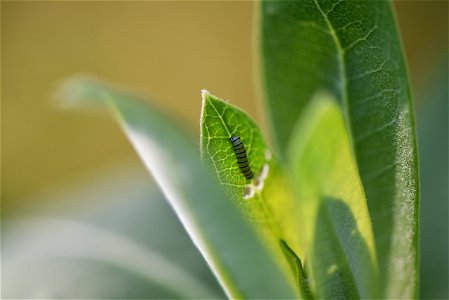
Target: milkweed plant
329, 207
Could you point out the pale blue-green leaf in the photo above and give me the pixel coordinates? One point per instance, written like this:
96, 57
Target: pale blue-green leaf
39, 240
113, 236
228, 243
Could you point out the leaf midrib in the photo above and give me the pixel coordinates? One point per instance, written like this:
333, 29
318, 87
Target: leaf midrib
220, 117
344, 96
342, 72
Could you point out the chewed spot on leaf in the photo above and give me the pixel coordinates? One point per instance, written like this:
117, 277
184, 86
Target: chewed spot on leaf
268, 154
248, 191
256, 186
260, 179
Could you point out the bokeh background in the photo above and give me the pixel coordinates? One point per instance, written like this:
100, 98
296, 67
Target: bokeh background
79, 166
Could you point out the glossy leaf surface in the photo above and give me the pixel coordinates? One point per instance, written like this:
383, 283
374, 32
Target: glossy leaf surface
352, 50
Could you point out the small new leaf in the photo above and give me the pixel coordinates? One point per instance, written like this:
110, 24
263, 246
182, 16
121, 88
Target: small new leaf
220, 121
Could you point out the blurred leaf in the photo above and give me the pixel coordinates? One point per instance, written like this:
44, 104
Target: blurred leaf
41, 240
297, 267
336, 227
113, 245
432, 120
352, 49
267, 200
225, 239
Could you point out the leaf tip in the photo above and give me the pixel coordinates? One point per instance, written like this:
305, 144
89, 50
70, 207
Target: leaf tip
207, 96
204, 93
77, 91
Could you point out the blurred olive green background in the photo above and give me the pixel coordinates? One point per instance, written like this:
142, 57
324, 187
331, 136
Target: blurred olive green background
168, 51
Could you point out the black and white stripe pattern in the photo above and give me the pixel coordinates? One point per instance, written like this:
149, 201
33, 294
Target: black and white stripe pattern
242, 158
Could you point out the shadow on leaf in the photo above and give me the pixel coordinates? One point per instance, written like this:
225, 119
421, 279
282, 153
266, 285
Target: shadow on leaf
341, 261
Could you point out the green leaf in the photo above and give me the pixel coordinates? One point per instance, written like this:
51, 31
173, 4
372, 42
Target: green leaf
433, 130
336, 227
297, 267
63, 242
232, 249
220, 121
114, 234
267, 200
352, 50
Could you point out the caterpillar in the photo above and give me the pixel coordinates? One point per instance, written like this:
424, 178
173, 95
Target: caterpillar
242, 158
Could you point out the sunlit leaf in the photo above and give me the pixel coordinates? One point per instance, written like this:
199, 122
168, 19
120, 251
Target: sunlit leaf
335, 224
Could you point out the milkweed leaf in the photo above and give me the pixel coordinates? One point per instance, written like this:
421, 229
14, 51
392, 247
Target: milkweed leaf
352, 50
336, 228
227, 241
